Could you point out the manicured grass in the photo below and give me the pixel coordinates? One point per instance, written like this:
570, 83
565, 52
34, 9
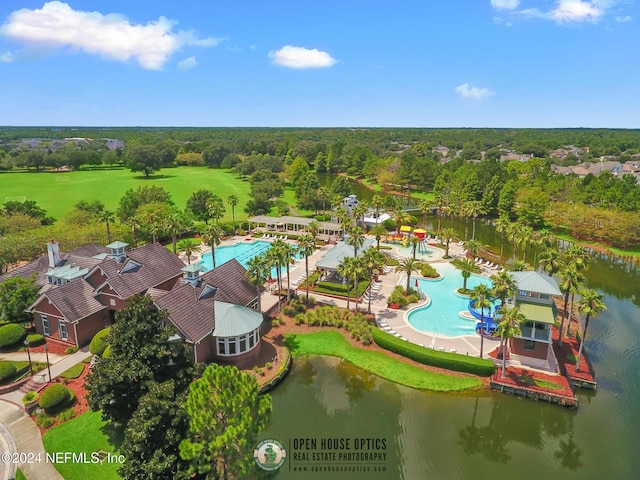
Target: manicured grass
333, 344
58, 192
73, 372
86, 433
20, 475
634, 252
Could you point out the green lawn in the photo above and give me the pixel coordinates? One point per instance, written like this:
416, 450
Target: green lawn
333, 344
633, 252
86, 433
73, 372
58, 192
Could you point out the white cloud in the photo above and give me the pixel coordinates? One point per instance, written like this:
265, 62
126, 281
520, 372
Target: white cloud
300, 57
473, 93
56, 25
505, 4
576, 11
625, 19
187, 63
6, 57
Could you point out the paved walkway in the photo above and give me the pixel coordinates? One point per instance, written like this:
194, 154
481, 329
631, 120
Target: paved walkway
18, 433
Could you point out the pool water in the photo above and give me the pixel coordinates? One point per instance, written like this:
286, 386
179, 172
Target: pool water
241, 251
441, 317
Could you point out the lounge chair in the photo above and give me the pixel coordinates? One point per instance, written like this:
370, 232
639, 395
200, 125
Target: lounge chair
452, 350
441, 349
431, 347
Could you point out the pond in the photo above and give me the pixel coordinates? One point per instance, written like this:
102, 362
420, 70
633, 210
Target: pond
482, 435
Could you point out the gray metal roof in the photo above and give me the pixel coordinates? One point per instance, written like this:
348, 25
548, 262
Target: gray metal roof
536, 282
342, 250
235, 320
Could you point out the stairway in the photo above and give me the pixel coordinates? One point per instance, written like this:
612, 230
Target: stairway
32, 385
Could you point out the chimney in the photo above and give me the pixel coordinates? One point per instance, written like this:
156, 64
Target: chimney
53, 249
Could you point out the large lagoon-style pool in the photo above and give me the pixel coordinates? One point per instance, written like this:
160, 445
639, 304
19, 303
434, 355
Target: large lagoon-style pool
241, 251
441, 317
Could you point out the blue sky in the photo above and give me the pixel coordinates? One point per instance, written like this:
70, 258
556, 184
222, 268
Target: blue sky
348, 63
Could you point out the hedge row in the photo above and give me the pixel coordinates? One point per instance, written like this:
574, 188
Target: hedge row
99, 342
435, 358
7, 370
36, 339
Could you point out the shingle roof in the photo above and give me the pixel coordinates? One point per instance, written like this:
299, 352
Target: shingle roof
75, 300
156, 265
536, 282
235, 320
193, 313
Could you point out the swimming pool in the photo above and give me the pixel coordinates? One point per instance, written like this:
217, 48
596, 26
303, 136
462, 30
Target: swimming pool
441, 316
241, 251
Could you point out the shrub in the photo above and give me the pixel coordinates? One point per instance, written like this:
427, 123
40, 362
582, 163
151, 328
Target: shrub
392, 262
67, 414
268, 365
11, 334
449, 361
107, 352
44, 421
99, 343
70, 350
7, 370
389, 224
55, 396
29, 397
36, 339
262, 372
428, 271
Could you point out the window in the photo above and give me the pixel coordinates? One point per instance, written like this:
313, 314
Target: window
544, 296
243, 344
529, 345
232, 346
523, 293
45, 325
238, 345
63, 332
221, 346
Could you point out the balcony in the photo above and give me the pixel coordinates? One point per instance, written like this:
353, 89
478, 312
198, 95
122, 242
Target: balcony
538, 332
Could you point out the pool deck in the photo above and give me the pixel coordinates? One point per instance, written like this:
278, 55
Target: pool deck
397, 319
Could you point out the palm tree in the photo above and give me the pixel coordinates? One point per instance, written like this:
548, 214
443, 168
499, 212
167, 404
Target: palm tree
526, 238
482, 296
513, 233
215, 207
466, 267
473, 246
324, 193
577, 255
306, 246
314, 228
174, 225
213, 233
570, 282
414, 241
465, 211
107, 217
502, 226
591, 305
448, 234
378, 231
345, 269
257, 273
475, 208
400, 217
358, 214
289, 255
550, 261
377, 202
373, 261
518, 266
275, 255
356, 239
408, 266
425, 207
508, 328
188, 246
358, 269
135, 223
233, 201
504, 286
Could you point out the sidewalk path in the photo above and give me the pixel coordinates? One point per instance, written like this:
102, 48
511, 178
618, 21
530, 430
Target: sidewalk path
19, 434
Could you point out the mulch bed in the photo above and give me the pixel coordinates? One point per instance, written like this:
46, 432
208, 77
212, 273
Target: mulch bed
523, 378
55, 347
77, 386
570, 347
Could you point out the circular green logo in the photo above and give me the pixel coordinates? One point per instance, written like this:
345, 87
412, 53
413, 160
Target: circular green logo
270, 454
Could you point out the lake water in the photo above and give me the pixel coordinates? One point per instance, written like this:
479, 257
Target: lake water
482, 435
